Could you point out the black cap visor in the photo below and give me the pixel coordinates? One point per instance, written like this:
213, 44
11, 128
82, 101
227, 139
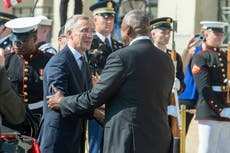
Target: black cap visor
106, 15
163, 26
217, 30
20, 36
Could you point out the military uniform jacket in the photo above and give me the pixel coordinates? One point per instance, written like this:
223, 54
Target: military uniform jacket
26, 74
179, 71
99, 52
136, 96
209, 70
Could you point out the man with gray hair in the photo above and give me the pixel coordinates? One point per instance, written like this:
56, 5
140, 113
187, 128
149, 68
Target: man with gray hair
68, 72
134, 91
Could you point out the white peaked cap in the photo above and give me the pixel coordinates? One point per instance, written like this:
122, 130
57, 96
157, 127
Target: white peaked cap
23, 25
213, 24
44, 20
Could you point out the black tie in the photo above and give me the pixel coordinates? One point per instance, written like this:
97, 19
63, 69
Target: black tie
83, 66
107, 43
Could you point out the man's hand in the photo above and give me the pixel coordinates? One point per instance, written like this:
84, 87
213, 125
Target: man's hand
99, 115
95, 78
2, 57
54, 100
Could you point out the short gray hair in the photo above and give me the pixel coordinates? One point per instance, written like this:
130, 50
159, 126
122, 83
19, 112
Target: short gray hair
69, 25
138, 21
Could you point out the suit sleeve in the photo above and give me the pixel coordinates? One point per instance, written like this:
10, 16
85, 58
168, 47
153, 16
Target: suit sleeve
11, 106
112, 77
56, 74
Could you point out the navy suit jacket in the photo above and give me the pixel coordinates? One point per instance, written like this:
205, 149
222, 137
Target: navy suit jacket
57, 134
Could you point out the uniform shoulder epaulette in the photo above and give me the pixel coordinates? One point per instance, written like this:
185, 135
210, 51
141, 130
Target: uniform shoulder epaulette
47, 48
46, 53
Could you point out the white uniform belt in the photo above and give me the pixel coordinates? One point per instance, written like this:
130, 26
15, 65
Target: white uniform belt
217, 88
36, 105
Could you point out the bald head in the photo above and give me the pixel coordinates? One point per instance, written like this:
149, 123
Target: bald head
138, 21
135, 23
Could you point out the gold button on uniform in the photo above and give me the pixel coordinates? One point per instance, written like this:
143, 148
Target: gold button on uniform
223, 87
25, 93
26, 62
25, 86
26, 70
25, 78
26, 100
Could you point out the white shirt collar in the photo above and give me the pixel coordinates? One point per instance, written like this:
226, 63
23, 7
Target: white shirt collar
139, 38
102, 37
76, 55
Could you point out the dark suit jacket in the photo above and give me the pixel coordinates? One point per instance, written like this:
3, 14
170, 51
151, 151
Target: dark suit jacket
135, 85
63, 135
11, 107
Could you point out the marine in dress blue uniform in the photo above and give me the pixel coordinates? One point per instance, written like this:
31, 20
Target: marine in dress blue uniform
25, 68
209, 68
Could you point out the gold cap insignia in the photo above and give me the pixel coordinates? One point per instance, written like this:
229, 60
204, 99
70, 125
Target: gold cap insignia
168, 20
110, 5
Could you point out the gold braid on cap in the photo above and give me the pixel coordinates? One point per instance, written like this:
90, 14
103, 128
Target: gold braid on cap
5, 18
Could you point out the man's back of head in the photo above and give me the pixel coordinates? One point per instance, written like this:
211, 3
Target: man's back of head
135, 23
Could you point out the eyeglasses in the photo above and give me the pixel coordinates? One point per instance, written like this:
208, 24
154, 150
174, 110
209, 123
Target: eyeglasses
86, 30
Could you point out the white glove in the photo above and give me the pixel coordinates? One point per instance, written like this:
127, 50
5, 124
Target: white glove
225, 113
176, 85
172, 110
